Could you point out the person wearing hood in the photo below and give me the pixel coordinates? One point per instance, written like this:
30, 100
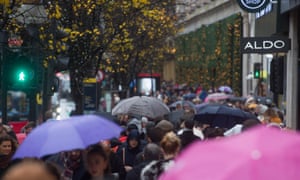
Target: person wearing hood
151, 152
128, 150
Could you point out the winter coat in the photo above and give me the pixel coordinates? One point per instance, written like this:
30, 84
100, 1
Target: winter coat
135, 173
187, 137
154, 169
128, 154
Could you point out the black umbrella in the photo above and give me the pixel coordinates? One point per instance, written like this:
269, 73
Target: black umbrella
221, 115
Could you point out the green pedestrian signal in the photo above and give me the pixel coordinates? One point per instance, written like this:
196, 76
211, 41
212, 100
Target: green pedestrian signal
20, 73
256, 70
256, 74
22, 76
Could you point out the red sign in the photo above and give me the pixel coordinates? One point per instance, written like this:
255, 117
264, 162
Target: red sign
99, 76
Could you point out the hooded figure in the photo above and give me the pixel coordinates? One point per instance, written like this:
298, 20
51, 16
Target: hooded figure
127, 151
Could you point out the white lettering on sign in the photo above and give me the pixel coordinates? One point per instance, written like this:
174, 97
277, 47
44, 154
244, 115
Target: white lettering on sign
265, 11
253, 1
278, 44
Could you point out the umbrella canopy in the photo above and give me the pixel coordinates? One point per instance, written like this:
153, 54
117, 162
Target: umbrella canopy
215, 97
263, 100
77, 132
221, 115
189, 96
225, 89
234, 99
150, 107
175, 116
183, 104
260, 153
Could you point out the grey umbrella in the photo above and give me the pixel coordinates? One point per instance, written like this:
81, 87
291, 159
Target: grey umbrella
183, 103
150, 107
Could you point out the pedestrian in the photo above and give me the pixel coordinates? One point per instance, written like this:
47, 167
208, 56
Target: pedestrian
171, 146
116, 165
249, 124
213, 132
186, 135
165, 125
150, 153
127, 151
7, 130
29, 127
271, 116
32, 169
69, 163
97, 164
8, 146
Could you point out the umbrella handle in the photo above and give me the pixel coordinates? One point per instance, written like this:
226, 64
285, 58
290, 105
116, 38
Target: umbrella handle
123, 152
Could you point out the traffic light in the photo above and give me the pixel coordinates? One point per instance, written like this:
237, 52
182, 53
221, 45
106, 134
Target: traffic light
20, 73
53, 84
276, 75
256, 70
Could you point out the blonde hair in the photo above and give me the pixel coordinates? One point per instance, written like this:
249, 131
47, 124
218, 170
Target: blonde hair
170, 143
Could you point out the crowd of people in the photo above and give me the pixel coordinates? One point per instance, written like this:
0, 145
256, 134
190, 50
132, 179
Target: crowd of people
144, 150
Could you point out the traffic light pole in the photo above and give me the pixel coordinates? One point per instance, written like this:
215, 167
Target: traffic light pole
32, 105
3, 40
4, 103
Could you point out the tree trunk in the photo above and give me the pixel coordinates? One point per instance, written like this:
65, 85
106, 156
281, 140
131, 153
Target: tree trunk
77, 91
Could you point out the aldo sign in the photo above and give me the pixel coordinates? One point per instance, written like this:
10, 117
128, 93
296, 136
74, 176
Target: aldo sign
265, 44
253, 6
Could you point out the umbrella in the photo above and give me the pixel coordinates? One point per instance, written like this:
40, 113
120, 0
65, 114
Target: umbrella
189, 96
175, 116
260, 153
225, 89
183, 104
150, 107
237, 99
77, 132
215, 97
221, 115
263, 100
20, 137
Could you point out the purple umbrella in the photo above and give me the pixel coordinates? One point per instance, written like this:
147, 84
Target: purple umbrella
76, 132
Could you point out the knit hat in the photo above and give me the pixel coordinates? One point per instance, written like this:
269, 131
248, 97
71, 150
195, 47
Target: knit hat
165, 125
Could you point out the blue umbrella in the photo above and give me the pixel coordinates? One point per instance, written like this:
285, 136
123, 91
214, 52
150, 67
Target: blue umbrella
189, 96
221, 115
77, 132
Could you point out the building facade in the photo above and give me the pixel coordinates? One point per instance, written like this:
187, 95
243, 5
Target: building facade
278, 19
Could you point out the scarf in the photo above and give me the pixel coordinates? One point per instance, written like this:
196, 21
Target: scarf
69, 166
5, 160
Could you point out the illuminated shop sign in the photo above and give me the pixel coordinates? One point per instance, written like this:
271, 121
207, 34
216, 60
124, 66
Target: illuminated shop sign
253, 6
265, 44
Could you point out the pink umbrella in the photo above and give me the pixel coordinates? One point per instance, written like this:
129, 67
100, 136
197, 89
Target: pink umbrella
21, 137
215, 97
261, 153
